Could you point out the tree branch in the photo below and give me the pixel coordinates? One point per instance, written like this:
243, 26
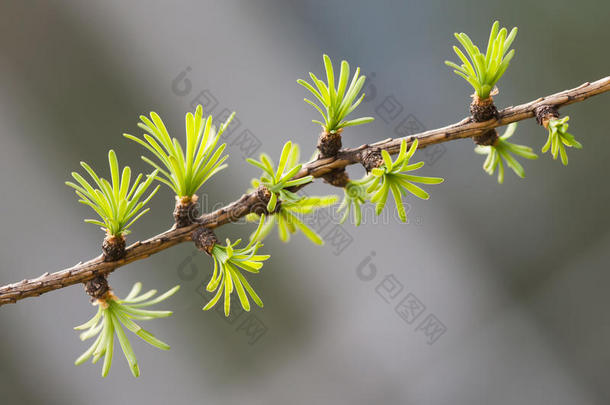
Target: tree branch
83, 272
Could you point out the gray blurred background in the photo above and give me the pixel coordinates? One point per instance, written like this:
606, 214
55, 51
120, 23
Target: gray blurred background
513, 277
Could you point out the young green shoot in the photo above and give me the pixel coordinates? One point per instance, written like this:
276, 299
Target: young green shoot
391, 177
502, 151
355, 196
559, 138
229, 262
288, 218
278, 180
483, 71
112, 315
184, 170
118, 203
337, 101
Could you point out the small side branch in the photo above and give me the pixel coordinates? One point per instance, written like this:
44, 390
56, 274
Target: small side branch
250, 202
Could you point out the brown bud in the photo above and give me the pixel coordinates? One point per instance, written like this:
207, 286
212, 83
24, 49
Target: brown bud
329, 143
371, 158
205, 239
113, 247
489, 137
97, 287
185, 211
337, 178
545, 113
483, 109
260, 207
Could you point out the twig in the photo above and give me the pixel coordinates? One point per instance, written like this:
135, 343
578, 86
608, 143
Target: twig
83, 272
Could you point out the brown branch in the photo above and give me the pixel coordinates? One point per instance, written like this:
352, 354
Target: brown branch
466, 128
247, 203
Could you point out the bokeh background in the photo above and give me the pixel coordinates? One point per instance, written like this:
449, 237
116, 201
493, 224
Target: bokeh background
516, 274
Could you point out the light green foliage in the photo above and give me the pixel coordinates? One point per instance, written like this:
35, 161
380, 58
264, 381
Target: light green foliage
117, 204
184, 171
338, 102
114, 314
502, 150
483, 71
559, 138
229, 261
288, 218
391, 177
292, 205
355, 196
277, 180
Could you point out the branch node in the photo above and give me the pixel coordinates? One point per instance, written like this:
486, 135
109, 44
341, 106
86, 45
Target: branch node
329, 143
186, 211
337, 178
371, 158
545, 113
263, 196
204, 239
97, 288
487, 138
483, 109
113, 248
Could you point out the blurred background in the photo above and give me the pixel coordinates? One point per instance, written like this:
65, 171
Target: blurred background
491, 294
